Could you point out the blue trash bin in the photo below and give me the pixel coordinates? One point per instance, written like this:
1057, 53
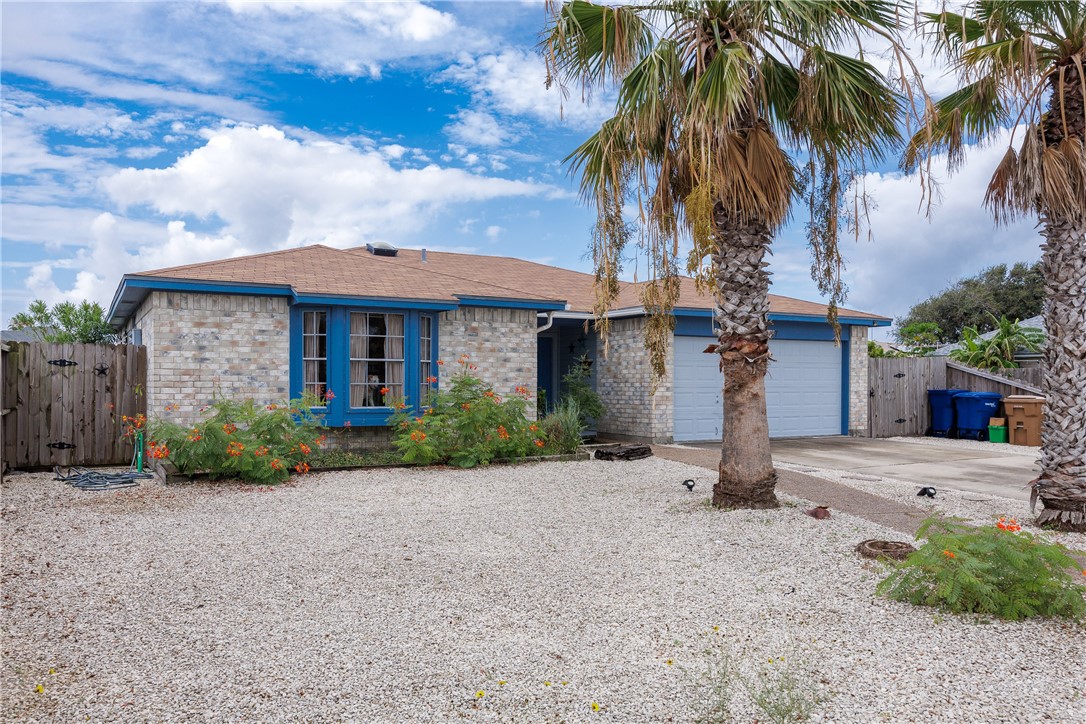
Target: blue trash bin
942, 412
973, 411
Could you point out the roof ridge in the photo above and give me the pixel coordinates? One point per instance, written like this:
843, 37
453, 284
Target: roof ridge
201, 264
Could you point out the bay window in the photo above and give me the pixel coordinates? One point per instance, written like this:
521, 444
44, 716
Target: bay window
355, 354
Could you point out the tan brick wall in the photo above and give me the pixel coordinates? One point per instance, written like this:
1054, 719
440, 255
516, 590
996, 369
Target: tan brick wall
857, 381
624, 382
200, 344
500, 342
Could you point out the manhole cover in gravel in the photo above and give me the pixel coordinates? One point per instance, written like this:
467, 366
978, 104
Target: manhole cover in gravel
897, 550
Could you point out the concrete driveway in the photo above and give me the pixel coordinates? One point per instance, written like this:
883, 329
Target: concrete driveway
1001, 470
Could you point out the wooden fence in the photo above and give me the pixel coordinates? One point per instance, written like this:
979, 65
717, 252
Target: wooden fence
63, 403
898, 399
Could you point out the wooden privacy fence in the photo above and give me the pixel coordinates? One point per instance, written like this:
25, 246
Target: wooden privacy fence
898, 390
63, 403
897, 403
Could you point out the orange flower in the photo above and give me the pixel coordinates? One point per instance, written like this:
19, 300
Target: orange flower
329, 395
384, 390
272, 407
502, 432
305, 448
466, 405
229, 428
539, 443
302, 468
431, 379
489, 393
441, 362
400, 405
234, 449
276, 465
261, 451
949, 554
533, 427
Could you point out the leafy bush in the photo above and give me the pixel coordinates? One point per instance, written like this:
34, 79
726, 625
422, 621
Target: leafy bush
255, 443
997, 352
563, 427
349, 459
579, 391
995, 570
467, 424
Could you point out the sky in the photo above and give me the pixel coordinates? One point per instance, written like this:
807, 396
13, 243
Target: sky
143, 135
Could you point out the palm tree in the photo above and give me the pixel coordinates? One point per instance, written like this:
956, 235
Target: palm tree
726, 112
997, 351
1021, 64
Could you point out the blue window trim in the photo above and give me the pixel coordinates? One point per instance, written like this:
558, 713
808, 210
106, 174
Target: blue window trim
338, 411
469, 300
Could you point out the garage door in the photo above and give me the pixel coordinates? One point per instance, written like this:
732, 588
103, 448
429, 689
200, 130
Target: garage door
803, 389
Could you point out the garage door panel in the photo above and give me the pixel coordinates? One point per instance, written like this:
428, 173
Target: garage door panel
803, 389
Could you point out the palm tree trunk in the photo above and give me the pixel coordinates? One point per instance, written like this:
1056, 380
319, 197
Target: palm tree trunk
747, 478
1062, 483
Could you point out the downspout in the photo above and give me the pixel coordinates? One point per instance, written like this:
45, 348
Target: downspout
545, 327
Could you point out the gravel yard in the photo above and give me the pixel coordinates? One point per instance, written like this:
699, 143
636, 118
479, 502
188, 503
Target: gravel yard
402, 594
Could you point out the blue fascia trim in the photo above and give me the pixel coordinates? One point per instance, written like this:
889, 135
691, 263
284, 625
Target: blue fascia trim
467, 300
390, 303
845, 375
845, 321
133, 290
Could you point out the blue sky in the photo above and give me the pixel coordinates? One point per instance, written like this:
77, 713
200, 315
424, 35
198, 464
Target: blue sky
150, 134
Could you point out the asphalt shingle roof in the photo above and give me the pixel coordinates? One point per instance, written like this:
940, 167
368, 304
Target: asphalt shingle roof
444, 276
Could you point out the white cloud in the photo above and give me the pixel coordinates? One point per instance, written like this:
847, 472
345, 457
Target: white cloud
273, 191
513, 82
493, 232
911, 258
479, 128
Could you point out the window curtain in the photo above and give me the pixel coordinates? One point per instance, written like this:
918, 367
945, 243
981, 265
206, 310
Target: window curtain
394, 352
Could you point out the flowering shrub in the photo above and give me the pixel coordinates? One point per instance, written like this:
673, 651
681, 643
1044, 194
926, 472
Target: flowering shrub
994, 570
241, 439
467, 424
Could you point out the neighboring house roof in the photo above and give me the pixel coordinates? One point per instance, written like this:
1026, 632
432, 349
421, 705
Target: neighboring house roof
1037, 322
444, 280
18, 335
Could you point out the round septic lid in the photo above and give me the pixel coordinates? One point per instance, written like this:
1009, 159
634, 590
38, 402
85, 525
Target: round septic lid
898, 550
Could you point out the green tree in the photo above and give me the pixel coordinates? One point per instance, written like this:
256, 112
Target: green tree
712, 98
1021, 65
1016, 293
66, 323
997, 352
920, 338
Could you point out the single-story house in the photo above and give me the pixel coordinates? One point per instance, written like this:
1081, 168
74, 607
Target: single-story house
269, 326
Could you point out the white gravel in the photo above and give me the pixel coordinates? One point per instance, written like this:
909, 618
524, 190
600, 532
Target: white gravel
396, 595
988, 447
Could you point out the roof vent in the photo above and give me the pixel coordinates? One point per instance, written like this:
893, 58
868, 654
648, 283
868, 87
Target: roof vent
381, 248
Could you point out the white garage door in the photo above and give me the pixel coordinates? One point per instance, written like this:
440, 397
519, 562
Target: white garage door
803, 389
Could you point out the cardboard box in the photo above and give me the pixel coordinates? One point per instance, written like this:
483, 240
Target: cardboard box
997, 422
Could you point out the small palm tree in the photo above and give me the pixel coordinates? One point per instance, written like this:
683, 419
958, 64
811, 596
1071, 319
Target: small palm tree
997, 352
727, 111
1022, 64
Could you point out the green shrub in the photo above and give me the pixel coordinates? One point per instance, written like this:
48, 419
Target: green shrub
579, 391
258, 444
563, 428
349, 459
466, 424
994, 570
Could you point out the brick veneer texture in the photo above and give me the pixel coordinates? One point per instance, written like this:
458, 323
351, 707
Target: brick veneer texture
624, 382
202, 344
857, 381
501, 343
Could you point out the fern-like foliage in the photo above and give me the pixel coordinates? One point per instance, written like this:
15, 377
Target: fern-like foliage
989, 570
